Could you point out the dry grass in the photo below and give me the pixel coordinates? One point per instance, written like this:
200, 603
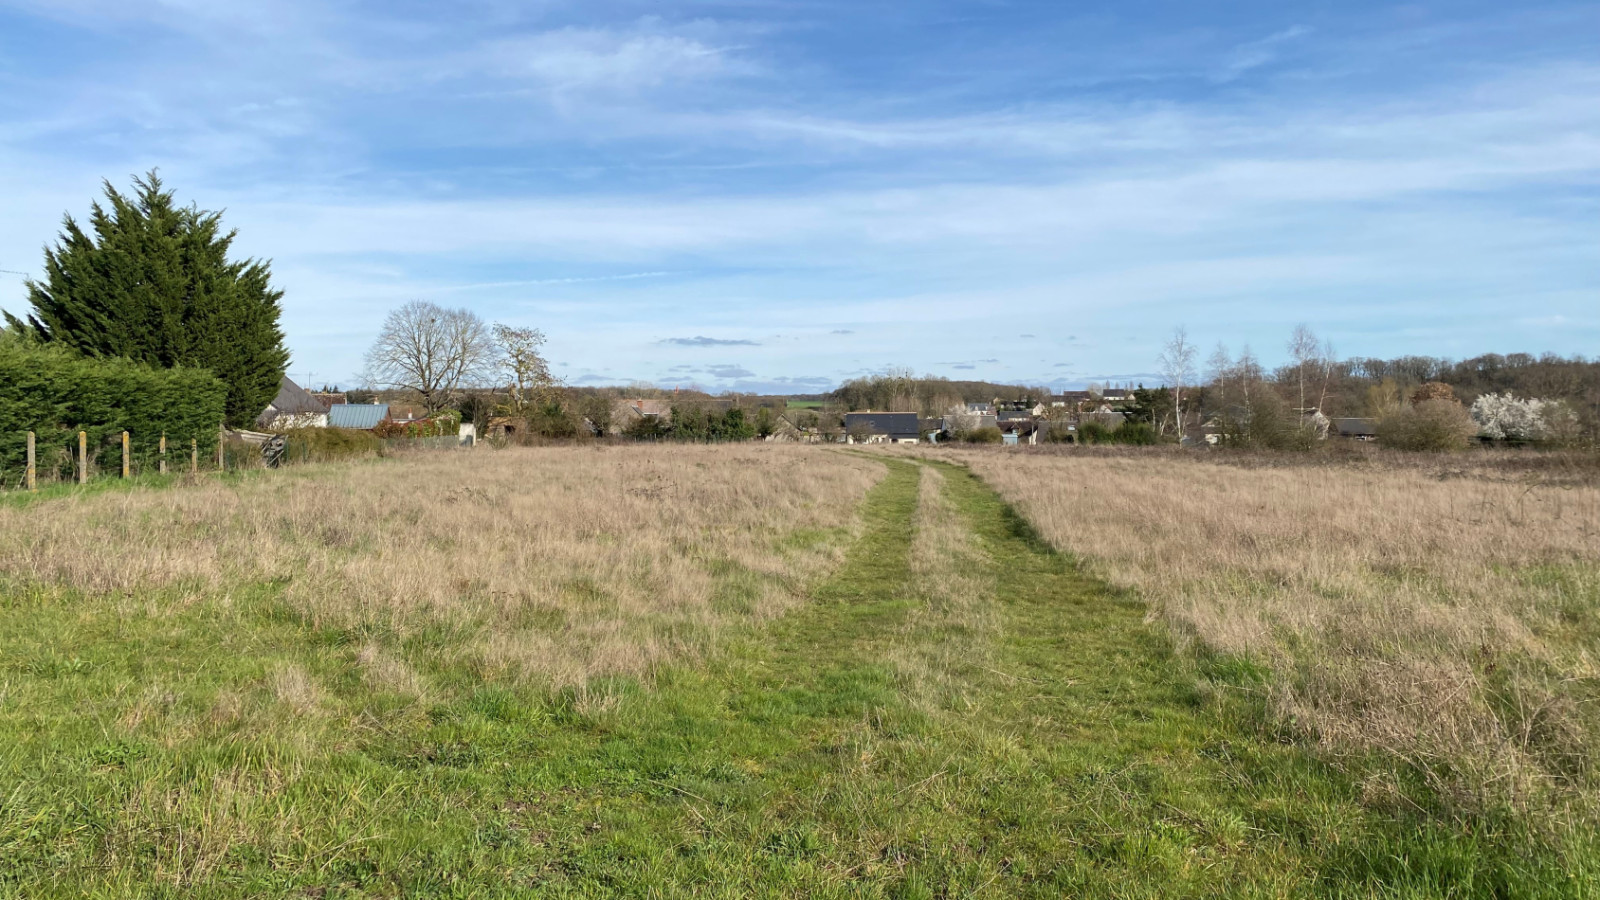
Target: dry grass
1440, 610
553, 564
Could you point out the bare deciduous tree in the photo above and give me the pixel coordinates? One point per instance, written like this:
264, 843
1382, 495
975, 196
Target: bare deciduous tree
1177, 369
519, 361
430, 351
1219, 371
1248, 372
1303, 348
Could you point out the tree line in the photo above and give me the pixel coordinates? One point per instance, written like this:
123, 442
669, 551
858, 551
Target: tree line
1417, 399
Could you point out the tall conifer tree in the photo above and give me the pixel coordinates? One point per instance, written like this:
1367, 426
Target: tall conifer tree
154, 284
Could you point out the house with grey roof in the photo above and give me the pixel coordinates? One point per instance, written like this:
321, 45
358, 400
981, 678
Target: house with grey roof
882, 428
293, 407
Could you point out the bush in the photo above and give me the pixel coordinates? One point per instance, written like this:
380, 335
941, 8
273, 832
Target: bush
1429, 426
329, 444
1138, 433
444, 424
1270, 425
56, 393
1093, 433
987, 435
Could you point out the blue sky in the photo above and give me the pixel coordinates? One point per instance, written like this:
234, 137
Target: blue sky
772, 195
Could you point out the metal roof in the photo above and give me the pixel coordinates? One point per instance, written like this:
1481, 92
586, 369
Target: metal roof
357, 415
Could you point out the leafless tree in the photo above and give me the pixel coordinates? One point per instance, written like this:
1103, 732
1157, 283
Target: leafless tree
520, 363
1325, 361
1177, 369
1219, 372
431, 351
1248, 372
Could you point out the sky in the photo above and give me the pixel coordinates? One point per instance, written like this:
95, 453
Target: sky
777, 195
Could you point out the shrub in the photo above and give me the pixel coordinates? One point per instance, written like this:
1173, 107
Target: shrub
1093, 433
56, 393
1138, 433
446, 423
1505, 417
986, 435
1271, 425
1429, 426
329, 444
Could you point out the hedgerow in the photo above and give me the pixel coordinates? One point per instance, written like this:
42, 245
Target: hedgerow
56, 393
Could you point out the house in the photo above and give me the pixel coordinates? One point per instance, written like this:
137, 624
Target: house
1018, 426
294, 407
1356, 429
330, 398
625, 413
1021, 431
1116, 395
360, 416
1072, 399
980, 409
882, 428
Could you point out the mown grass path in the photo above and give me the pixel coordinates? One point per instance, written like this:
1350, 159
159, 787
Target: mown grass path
987, 723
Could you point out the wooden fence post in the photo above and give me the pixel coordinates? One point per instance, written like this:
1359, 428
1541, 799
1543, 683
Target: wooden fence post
30, 477
163, 453
124, 455
222, 462
194, 456
83, 457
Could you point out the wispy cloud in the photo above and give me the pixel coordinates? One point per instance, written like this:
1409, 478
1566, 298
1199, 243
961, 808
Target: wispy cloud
1258, 53
633, 59
702, 341
1256, 173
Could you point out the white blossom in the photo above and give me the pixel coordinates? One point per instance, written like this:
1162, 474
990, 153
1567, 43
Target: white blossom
1505, 417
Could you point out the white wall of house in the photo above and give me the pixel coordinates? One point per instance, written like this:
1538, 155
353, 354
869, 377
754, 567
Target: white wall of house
298, 420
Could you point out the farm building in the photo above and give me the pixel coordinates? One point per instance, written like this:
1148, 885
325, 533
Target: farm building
882, 428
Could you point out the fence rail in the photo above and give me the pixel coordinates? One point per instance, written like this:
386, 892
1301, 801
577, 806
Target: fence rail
76, 460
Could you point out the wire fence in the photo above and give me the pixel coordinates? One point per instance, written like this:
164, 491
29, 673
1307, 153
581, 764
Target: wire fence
75, 459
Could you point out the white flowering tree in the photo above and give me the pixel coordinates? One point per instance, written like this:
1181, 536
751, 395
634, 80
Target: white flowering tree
1506, 417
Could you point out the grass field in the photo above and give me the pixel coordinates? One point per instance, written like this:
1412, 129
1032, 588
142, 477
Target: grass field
653, 672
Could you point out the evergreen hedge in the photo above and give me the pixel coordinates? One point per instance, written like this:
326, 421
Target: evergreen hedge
56, 393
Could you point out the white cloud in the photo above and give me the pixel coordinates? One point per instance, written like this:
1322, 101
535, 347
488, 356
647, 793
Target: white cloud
607, 59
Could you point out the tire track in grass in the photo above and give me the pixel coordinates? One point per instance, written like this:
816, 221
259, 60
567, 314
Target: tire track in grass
1030, 738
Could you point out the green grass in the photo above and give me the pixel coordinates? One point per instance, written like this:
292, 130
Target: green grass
805, 404
144, 752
